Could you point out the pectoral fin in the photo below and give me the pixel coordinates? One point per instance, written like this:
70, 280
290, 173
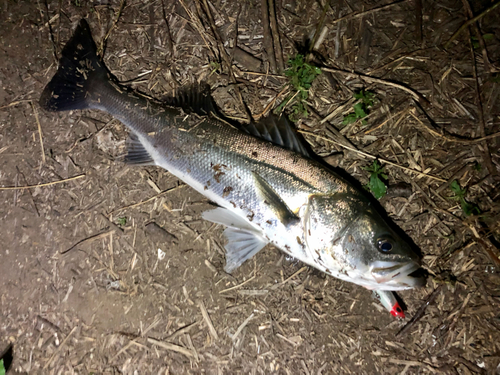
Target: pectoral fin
228, 218
270, 197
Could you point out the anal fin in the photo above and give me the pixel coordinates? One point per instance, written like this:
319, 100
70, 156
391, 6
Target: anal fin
136, 153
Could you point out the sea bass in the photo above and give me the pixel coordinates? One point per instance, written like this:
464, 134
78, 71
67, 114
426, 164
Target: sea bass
265, 193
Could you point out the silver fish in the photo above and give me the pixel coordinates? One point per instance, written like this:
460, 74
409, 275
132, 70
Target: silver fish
265, 193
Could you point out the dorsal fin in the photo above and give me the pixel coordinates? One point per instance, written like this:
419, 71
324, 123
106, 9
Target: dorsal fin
278, 130
195, 98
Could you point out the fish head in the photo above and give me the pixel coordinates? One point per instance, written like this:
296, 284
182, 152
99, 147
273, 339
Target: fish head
349, 238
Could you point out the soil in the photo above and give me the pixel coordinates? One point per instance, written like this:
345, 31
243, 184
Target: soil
89, 285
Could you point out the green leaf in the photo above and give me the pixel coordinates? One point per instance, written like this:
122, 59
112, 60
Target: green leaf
282, 105
455, 188
375, 184
366, 97
215, 66
467, 207
358, 95
2, 367
361, 108
486, 37
349, 119
359, 111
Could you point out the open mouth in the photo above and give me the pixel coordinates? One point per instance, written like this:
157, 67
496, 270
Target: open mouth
397, 275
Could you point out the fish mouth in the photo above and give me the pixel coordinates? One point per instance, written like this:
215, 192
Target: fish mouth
397, 276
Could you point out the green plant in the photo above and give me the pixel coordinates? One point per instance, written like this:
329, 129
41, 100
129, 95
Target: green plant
214, 67
365, 101
486, 37
122, 221
301, 75
376, 183
467, 208
2, 367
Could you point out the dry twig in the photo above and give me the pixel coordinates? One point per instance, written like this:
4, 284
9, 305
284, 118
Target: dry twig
92, 238
486, 152
35, 112
268, 38
226, 59
470, 22
237, 286
59, 348
451, 137
169, 346
42, 185
208, 321
240, 328
353, 15
420, 312
276, 36
147, 200
115, 22
422, 100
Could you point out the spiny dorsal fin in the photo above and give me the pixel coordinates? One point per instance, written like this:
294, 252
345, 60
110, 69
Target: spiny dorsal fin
278, 130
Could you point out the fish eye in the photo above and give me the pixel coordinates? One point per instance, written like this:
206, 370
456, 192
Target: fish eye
384, 245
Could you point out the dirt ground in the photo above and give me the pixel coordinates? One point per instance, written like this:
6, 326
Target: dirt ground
87, 283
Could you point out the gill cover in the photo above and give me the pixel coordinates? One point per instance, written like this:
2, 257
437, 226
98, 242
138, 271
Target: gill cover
327, 219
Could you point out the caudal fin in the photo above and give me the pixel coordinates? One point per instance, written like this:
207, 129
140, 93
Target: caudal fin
79, 68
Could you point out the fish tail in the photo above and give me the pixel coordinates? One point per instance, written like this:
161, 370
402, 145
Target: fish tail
80, 72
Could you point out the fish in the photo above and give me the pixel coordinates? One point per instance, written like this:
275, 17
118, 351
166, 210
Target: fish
266, 186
